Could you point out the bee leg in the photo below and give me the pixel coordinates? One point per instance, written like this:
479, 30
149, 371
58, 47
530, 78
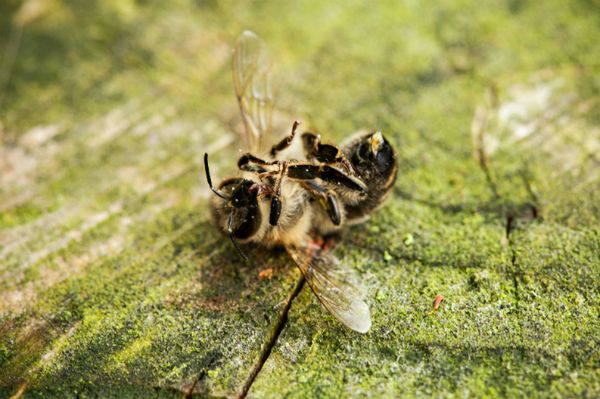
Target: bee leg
285, 143
327, 173
325, 153
276, 200
250, 163
314, 149
329, 198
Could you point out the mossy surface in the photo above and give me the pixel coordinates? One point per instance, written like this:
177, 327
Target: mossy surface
115, 283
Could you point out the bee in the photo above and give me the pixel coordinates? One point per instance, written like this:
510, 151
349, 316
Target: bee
299, 188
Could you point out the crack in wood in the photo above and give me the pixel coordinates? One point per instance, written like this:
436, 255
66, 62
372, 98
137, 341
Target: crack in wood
513, 256
535, 207
510, 220
509, 228
271, 339
211, 360
478, 130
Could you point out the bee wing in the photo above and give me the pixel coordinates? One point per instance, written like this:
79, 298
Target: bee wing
252, 84
334, 284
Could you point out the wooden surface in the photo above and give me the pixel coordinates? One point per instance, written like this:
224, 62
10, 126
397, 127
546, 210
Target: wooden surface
115, 283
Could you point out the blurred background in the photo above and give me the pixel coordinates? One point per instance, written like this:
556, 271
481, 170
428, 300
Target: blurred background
90, 72
114, 281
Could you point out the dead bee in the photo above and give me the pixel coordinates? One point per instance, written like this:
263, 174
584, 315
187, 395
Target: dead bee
348, 183
284, 197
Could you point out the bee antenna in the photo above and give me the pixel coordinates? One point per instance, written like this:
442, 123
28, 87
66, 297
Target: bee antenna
237, 246
234, 241
209, 180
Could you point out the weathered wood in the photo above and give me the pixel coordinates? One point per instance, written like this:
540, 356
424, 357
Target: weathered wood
114, 282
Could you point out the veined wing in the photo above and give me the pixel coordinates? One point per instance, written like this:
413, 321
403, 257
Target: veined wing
252, 85
334, 284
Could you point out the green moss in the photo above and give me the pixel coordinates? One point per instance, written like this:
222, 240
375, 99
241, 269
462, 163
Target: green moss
115, 283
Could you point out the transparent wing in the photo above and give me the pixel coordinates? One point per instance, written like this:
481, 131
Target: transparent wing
252, 85
334, 285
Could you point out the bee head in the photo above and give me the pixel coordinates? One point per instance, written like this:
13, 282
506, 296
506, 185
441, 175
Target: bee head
236, 207
241, 203
373, 153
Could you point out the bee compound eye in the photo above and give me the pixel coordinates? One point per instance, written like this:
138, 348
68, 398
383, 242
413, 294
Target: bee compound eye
385, 157
364, 150
246, 222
